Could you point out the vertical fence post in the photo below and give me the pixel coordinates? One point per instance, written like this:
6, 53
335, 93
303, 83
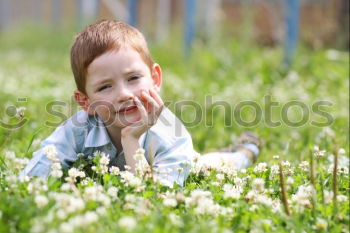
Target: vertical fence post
37, 11
163, 18
5, 13
292, 27
56, 12
79, 12
132, 9
190, 24
98, 8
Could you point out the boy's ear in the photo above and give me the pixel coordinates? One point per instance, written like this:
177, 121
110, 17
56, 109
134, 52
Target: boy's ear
157, 75
83, 100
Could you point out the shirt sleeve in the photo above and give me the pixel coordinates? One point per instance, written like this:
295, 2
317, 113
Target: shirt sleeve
172, 161
64, 139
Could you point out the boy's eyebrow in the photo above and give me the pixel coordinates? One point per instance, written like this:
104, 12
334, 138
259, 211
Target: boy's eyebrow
131, 71
100, 81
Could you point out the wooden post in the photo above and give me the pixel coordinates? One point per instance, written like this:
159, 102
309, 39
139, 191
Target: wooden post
190, 25
292, 27
163, 18
132, 9
5, 13
56, 12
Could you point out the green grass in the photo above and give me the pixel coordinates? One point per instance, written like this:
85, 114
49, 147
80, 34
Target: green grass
35, 65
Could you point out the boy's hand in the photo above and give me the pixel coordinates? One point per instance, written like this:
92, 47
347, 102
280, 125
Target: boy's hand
150, 112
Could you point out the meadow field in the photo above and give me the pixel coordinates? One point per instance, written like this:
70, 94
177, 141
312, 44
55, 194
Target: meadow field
221, 90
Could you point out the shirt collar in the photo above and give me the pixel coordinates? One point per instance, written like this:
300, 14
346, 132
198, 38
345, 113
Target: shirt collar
98, 135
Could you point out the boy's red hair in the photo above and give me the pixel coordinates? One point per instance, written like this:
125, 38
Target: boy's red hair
99, 38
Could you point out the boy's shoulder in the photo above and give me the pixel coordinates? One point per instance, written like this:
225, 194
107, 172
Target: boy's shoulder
169, 128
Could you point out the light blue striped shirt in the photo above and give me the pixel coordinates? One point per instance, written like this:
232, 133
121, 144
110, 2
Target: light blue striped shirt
167, 143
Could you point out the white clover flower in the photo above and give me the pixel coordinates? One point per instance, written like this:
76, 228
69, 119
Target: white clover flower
61, 214
41, 201
275, 170
140, 154
231, 191
179, 169
238, 181
114, 170
25, 179
215, 183
286, 164
303, 196
56, 170
65, 187
342, 198
258, 185
51, 153
243, 171
127, 222
140, 151
20, 112
36, 142
319, 153
73, 174
290, 180
101, 211
207, 206
113, 192
104, 160
304, 165
56, 166
196, 197
196, 157
169, 202
341, 152
340, 169
253, 208
186, 163
321, 224
10, 155
220, 177
77, 221
56, 173
90, 217
130, 179
327, 196
260, 168
175, 220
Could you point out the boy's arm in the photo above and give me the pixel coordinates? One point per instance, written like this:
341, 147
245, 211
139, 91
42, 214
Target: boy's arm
64, 141
173, 160
131, 144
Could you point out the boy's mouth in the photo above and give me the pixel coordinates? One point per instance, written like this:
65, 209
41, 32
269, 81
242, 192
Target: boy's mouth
128, 109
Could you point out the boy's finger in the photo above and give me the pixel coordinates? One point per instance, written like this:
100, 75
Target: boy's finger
140, 107
156, 96
151, 101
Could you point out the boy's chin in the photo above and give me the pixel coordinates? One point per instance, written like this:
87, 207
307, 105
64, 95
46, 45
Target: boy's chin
128, 121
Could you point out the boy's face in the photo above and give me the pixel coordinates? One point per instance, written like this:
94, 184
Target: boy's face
113, 80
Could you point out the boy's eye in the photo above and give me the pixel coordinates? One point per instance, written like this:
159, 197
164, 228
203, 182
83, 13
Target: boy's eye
104, 87
132, 78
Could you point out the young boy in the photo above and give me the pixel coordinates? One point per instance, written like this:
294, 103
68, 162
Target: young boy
118, 87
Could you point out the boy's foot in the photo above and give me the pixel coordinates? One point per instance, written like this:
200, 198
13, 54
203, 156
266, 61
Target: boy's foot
248, 143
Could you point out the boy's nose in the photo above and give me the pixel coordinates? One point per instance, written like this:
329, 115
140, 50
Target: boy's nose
123, 94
